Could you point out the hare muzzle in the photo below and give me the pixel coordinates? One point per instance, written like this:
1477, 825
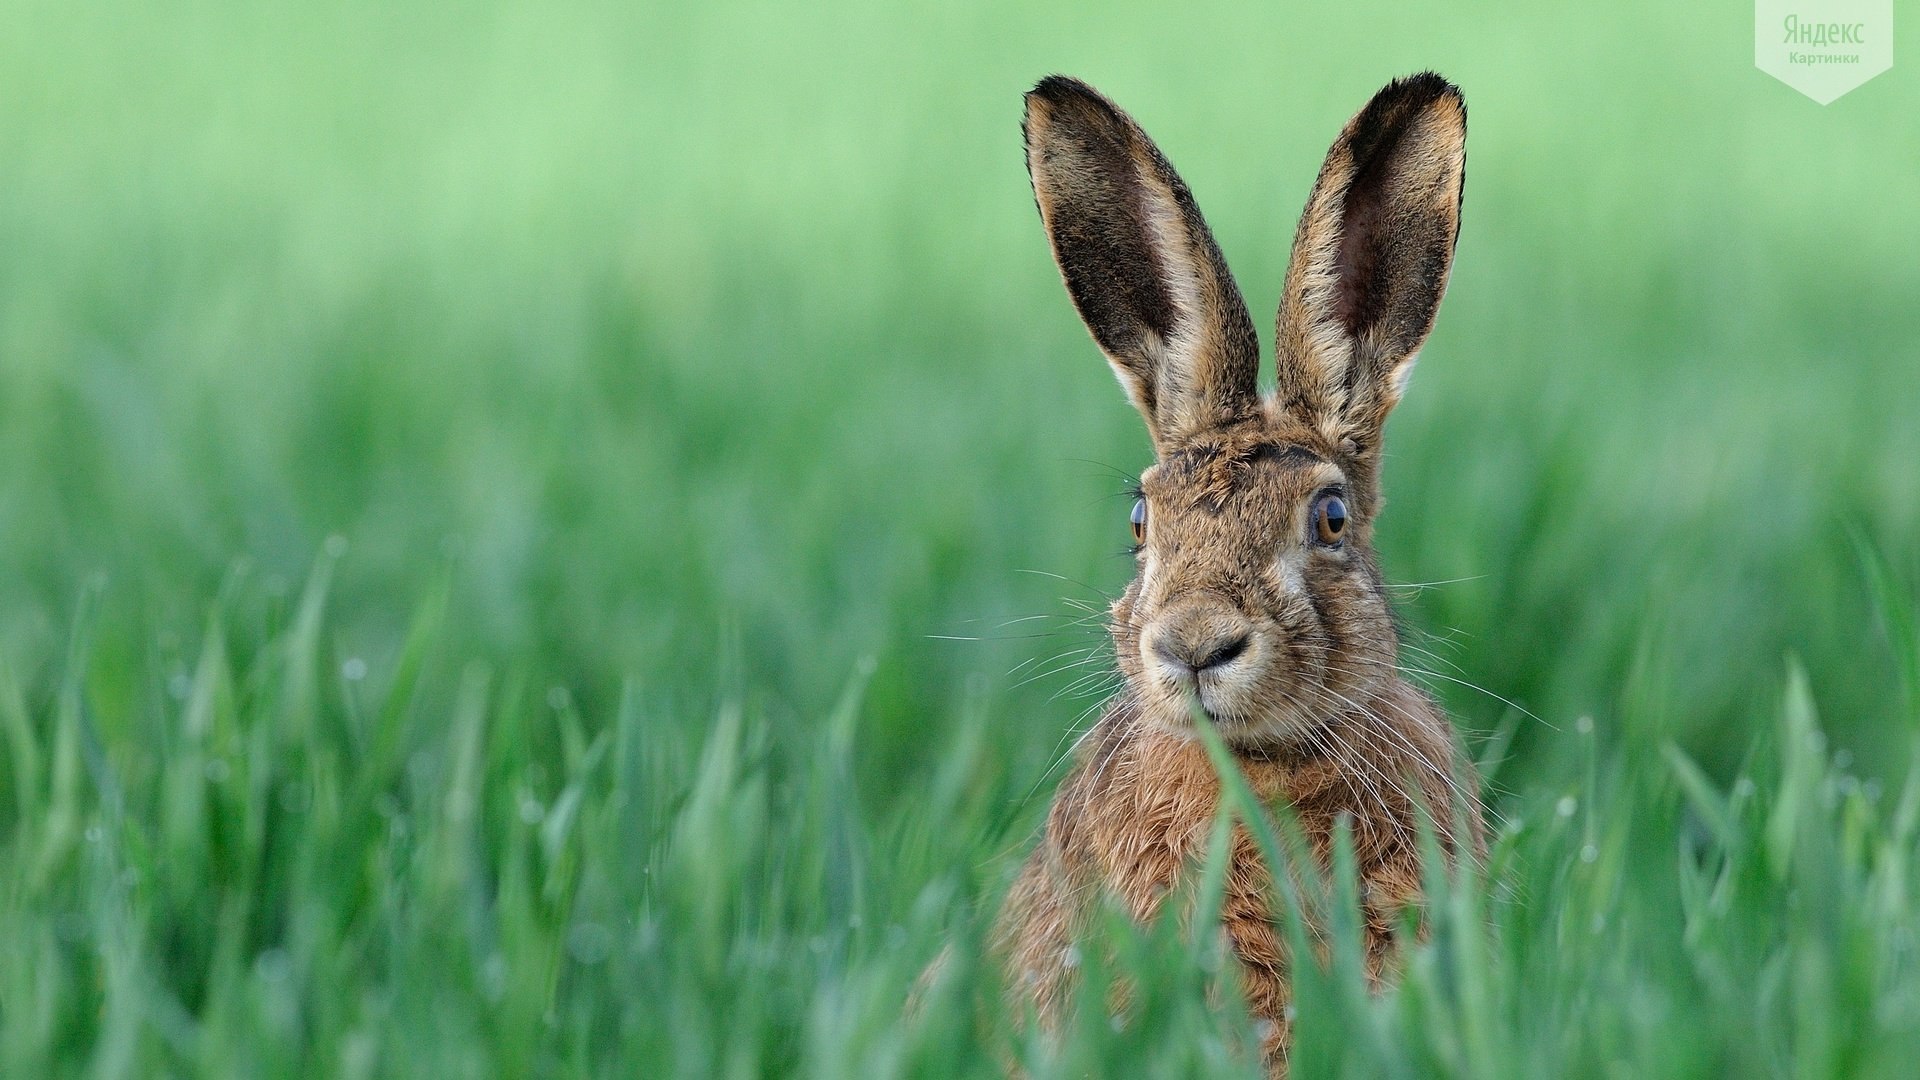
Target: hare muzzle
1201, 645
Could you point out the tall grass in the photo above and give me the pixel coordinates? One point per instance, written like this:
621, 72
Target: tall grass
303, 874
550, 539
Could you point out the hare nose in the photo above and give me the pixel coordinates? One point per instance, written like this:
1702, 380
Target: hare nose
1190, 658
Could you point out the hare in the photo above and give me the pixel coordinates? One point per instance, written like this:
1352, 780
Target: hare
1257, 593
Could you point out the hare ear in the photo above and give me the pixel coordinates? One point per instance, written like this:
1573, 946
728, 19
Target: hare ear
1138, 260
1371, 257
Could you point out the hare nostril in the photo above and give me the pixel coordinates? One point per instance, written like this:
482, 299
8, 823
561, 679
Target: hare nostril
1173, 655
1224, 653
1190, 661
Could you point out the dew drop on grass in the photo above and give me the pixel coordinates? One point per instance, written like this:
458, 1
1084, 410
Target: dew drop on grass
336, 546
589, 943
72, 927
1566, 806
531, 811
354, 669
1589, 853
1584, 725
272, 966
493, 976
217, 770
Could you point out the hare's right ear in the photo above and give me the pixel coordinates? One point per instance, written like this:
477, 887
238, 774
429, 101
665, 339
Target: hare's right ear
1141, 267
1371, 258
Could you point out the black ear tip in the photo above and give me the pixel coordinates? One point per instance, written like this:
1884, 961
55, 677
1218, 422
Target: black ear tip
1057, 89
1417, 91
1063, 104
1401, 101
1429, 85
1064, 95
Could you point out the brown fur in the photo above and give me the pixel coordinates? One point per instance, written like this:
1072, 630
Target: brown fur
1286, 641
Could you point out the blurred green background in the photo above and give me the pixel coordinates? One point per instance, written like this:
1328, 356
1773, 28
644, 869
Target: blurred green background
694, 360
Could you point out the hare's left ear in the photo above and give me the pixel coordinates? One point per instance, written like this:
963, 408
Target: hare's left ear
1140, 264
1371, 257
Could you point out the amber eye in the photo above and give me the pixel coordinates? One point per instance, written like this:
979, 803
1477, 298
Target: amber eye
1330, 520
1139, 520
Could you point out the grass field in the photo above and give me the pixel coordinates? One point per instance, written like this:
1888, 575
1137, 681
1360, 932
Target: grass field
553, 539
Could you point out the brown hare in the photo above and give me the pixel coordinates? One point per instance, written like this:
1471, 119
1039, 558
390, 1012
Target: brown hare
1257, 591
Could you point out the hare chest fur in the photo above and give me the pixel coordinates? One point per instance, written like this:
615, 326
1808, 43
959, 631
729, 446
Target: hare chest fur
1257, 592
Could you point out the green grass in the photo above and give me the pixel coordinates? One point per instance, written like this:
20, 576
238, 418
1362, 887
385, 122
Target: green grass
491, 493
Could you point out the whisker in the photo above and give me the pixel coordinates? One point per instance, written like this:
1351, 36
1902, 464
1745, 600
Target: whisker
1393, 732
1068, 580
1416, 585
1054, 666
1410, 670
991, 637
1103, 682
1120, 474
1386, 729
1060, 756
1390, 732
1431, 655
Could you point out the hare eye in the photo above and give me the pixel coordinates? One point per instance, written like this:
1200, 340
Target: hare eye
1139, 520
1330, 520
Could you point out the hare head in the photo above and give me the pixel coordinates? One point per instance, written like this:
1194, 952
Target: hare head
1257, 589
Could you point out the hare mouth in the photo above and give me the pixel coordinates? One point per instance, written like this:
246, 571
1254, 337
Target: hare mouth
1221, 704
1252, 706
1223, 695
1225, 700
